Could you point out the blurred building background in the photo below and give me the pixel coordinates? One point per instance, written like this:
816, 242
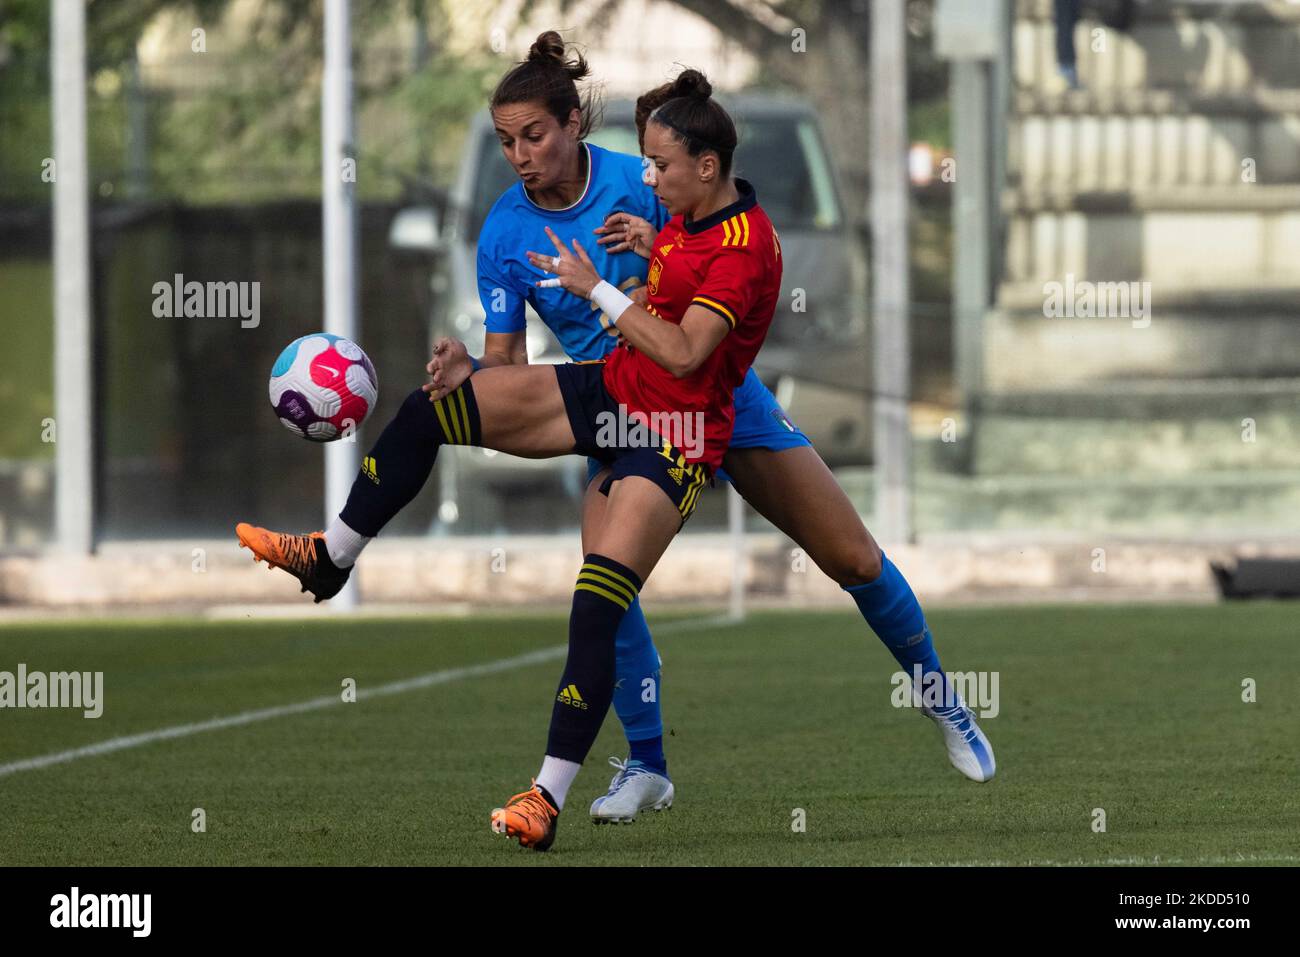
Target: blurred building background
1175, 163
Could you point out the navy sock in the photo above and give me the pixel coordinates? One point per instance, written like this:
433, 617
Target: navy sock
650, 752
894, 614
601, 597
398, 465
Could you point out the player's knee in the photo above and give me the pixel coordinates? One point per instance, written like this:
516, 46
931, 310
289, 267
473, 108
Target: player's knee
451, 420
857, 565
416, 404
416, 417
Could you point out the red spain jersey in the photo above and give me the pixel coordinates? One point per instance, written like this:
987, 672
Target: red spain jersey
729, 263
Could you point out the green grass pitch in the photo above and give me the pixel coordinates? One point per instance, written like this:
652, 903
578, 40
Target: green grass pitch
1135, 710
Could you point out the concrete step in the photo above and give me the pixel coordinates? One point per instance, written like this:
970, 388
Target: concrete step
1230, 197
1028, 351
1137, 150
1172, 430
1129, 399
1254, 102
1229, 505
1218, 303
1206, 53
1172, 11
1193, 238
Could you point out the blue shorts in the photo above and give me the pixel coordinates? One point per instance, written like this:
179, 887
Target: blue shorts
761, 423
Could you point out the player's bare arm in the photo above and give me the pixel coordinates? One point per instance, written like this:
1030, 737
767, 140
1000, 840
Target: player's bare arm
505, 349
680, 349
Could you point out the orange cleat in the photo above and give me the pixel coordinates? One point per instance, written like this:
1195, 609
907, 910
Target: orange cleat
302, 556
530, 817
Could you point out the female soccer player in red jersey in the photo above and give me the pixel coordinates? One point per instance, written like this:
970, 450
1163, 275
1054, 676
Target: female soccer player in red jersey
681, 357
769, 460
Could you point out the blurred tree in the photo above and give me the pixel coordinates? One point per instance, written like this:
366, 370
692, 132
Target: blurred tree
827, 63
241, 121
113, 27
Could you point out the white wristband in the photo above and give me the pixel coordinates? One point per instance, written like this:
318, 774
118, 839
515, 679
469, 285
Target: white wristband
611, 302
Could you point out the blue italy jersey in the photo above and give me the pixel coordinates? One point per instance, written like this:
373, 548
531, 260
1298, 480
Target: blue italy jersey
516, 224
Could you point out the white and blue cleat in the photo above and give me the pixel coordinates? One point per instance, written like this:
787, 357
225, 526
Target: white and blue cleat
968, 749
635, 788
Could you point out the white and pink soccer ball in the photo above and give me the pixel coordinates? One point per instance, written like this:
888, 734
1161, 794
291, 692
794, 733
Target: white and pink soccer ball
322, 386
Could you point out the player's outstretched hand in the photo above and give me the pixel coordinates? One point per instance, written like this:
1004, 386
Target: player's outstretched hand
573, 268
449, 367
624, 231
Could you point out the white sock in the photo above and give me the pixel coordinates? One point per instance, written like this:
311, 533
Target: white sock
556, 776
343, 544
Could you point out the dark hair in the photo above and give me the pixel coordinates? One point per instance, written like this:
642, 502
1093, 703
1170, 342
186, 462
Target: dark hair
686, 106
549, 77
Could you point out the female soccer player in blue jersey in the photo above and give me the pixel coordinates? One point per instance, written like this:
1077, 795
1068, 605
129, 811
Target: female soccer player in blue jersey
542, 123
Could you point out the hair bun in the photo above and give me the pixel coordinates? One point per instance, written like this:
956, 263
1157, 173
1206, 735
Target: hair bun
549, 48
692, 84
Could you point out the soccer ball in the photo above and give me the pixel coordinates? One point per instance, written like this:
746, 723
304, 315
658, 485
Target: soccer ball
322, 386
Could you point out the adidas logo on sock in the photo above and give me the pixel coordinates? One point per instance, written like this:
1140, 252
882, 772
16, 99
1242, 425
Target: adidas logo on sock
570, 696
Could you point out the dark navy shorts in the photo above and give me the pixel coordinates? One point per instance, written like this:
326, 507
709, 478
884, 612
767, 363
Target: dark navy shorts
588, 403
761, 423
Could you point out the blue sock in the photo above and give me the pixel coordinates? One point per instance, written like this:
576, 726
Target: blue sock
895, 616
637, 690
650, 752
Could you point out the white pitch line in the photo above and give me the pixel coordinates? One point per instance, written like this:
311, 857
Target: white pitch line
280, 711
316, 704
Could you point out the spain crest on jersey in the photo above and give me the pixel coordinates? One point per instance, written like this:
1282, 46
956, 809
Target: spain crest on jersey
652, 280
